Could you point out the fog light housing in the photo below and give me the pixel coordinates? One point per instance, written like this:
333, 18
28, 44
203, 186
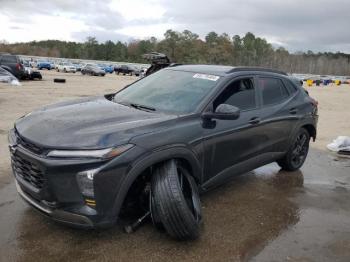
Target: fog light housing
85, 181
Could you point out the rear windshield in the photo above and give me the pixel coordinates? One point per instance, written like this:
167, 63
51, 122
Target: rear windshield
9, 59
169, 90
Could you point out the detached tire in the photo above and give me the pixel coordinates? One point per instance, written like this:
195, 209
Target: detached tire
59, 80
176, 201
297, 153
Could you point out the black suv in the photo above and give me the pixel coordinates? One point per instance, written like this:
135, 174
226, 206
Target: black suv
124, 69
13, 64
155, 145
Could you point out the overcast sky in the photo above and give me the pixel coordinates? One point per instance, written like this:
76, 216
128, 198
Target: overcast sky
318, 25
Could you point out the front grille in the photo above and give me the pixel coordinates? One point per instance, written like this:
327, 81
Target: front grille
28, 145
28, 171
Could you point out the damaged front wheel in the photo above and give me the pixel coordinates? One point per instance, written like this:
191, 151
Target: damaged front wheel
176, 200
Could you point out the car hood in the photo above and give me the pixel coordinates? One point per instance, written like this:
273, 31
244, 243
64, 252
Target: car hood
88, 123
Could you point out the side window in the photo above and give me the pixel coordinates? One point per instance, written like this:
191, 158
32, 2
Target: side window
273, 91
240, 93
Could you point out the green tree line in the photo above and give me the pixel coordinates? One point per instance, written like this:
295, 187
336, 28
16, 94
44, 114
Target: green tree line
187, 47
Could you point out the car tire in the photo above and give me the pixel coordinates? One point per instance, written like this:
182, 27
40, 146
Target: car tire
83, 72
297, 153
64, 70
59, 80
155, 217
176, 201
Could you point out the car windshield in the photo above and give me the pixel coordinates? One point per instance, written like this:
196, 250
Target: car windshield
168, 90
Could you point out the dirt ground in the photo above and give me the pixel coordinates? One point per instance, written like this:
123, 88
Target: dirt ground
265, 215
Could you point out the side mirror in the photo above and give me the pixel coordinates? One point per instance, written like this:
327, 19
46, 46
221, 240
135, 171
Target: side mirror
223, 112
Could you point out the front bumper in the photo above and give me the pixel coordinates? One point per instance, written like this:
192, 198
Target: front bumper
58, 215
50, 185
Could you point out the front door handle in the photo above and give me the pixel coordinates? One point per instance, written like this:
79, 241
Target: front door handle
293, 111
254, 120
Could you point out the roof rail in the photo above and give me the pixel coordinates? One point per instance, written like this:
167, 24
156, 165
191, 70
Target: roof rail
259, 69
174, 64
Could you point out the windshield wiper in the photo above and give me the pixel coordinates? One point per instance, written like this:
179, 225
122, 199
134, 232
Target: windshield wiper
142, 107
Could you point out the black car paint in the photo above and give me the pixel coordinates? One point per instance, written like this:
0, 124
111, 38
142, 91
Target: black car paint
125, 69
14, 66
257, 137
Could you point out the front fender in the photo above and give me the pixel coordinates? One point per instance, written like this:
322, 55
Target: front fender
156, 156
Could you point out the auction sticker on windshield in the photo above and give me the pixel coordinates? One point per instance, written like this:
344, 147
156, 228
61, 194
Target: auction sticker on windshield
206, 77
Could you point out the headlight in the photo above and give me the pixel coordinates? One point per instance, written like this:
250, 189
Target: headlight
85, 181
11, 138
100, 153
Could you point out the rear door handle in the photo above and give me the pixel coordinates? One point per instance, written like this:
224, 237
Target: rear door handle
254, 120
293, 111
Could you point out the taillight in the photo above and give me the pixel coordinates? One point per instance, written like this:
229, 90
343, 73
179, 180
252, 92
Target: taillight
19, 66
314, 102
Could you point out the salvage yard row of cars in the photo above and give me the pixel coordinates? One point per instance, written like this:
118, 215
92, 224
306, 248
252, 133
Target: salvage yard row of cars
28, 69
324, 79
96, 69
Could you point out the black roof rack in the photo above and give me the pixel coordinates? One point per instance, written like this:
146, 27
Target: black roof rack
174, 64
259, 69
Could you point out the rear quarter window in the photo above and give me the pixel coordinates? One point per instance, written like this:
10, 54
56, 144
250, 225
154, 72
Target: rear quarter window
273, 90
292, 85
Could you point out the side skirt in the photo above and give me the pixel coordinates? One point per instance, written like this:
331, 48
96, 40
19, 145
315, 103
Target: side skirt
240, 169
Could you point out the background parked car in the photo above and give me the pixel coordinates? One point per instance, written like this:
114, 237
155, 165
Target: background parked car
107, 68
93, 70
143, 71
30, 73
157, 60
43, 65
78, 66
52, 65
13, 64
137, 71
66, 67
124, 69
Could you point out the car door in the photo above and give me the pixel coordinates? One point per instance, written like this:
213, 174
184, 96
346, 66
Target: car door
233, 143
278, 113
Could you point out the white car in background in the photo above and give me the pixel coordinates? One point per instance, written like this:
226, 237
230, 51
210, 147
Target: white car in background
66, 67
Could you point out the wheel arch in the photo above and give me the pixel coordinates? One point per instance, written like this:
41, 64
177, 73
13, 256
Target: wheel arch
138, 169
311, 130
